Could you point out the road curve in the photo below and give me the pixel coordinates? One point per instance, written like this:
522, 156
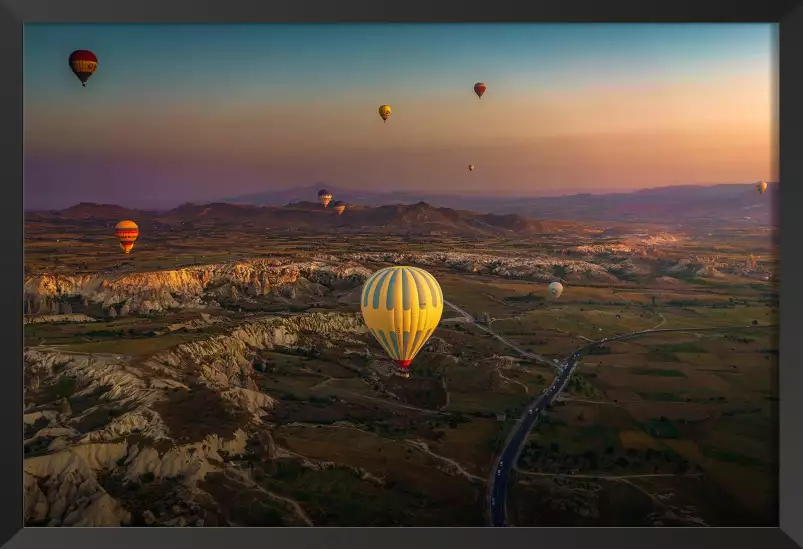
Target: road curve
490, 332
509, 456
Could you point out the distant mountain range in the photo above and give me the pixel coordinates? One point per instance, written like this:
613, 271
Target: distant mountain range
716, 204
419, 218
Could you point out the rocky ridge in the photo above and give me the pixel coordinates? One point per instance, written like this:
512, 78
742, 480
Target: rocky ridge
68, 459
191, 287
625, 261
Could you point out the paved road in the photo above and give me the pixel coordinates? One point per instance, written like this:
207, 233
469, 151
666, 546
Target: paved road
525, 423
487, 330
516, 440
517, 437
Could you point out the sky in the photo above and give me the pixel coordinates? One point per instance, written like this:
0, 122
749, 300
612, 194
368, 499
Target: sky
179, 113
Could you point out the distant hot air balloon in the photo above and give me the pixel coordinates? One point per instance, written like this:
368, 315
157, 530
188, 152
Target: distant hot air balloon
384, 112
325, 197
471, 167
479, 89
127, 233
402, 306
339, 207
83, 64
761, 186
555, 289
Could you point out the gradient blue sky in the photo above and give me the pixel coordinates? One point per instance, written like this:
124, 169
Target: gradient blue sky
198, 112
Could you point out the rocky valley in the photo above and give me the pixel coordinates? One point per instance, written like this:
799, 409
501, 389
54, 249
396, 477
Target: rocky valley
236, 384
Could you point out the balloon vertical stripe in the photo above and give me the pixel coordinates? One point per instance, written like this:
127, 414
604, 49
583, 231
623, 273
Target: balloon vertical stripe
378, 290
390, 293
369, 284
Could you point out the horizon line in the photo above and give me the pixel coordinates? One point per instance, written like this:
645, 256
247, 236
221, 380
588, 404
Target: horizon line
423, 194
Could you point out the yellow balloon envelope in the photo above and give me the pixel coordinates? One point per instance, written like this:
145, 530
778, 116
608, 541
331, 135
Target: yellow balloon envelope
384, 112
761, 186
402, 306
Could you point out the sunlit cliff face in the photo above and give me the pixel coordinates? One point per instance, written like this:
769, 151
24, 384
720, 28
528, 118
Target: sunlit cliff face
191, 287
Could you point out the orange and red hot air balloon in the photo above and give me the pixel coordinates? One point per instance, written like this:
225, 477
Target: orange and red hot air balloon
479, 89
83, 64
127, 233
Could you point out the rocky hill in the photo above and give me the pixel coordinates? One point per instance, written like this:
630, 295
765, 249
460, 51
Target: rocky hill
102, 212
420, 218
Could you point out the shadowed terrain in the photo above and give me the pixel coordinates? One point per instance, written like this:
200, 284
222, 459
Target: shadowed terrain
222, 374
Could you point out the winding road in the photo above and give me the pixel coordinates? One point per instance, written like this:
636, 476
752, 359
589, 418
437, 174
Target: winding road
500, 475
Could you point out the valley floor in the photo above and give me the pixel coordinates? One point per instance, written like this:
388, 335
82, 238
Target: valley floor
192, 387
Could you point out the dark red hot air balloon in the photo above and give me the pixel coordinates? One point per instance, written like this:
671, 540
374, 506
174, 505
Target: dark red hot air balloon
479, 89
83, 64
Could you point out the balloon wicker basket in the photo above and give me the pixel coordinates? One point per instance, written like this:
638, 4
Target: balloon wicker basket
403, 373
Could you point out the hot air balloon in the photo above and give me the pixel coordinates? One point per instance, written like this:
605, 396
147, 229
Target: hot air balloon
127, 233
325, 197
384, 112
339, 207
555, 289
479, 89
471, 167
761, 186
402, 306
83, 64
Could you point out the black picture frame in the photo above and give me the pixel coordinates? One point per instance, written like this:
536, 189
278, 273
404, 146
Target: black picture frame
15, 13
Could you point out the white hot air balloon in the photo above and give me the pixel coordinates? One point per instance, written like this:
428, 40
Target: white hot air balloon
555, 289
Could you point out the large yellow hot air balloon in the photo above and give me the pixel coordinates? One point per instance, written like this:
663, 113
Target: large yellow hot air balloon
127, 233
761, 186
384, 112
402, 306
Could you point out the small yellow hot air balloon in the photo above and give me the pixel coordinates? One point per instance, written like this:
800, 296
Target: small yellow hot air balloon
127, 233
384, 112
761, 186
339, 207
471, 167
402, 306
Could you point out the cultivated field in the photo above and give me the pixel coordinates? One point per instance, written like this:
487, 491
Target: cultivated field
672, 427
